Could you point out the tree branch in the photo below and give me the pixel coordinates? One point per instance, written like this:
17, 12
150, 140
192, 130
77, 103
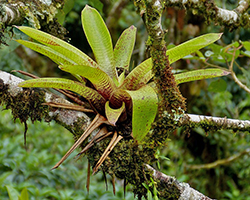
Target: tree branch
217, 163
213, 123
36, 12
230, 18
11, 13
165, 181
27, 103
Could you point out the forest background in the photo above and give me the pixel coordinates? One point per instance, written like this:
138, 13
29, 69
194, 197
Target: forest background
216, 163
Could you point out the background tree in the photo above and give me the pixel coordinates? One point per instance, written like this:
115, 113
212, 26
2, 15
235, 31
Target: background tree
202, 148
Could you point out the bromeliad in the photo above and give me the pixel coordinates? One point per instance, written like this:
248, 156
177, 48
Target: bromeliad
116, 99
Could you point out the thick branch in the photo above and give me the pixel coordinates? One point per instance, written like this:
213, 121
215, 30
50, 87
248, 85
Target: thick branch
11, 13
229, 18
35, 12
165, 181
214, 123
26, 103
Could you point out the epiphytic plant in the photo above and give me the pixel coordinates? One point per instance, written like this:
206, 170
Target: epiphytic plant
116, 99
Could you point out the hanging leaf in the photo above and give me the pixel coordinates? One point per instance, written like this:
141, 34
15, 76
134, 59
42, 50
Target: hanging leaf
124, 48
113, 114
91, 95
101, 81
145, 106
199, 74
99, 39
59, 46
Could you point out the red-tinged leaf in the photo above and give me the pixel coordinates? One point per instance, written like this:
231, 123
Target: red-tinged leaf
124, 48
101, 81
118, 97
113, 114
199, 74
59, 46
47, 51
88, 93
99, 39
191, 46
133, 79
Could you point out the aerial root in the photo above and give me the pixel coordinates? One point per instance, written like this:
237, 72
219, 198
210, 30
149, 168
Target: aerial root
88, 177
107, 151
103, 133
98, 120
68, 106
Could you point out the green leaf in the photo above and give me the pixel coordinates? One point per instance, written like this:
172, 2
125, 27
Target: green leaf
132, 81
199, 74
145, 105
59, 46
47, 51
217, 86
99, 39
124, 48
24, 194
191, 46
101, 81
12, 192
246, 45
245, 53
88, 93
113, 114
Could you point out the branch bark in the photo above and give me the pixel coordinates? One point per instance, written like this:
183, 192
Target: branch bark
19, 100
213, 123
165, 181
230, 18
36, 12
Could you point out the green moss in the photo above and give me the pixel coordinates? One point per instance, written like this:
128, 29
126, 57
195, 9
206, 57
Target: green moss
25, 105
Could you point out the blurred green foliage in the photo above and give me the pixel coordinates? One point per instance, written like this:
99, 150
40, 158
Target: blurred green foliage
46, 144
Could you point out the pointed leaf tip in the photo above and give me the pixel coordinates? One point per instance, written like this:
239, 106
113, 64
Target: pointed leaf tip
99, 39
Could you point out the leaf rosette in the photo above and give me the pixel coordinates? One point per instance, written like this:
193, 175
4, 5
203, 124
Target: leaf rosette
115, 98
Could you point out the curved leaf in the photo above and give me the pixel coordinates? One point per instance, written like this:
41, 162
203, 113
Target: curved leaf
191, 46
58, 45
47, 51
124, 48
91, 95
101, 81
99, 39
133, 79
145, 105
199, 74
113, 114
